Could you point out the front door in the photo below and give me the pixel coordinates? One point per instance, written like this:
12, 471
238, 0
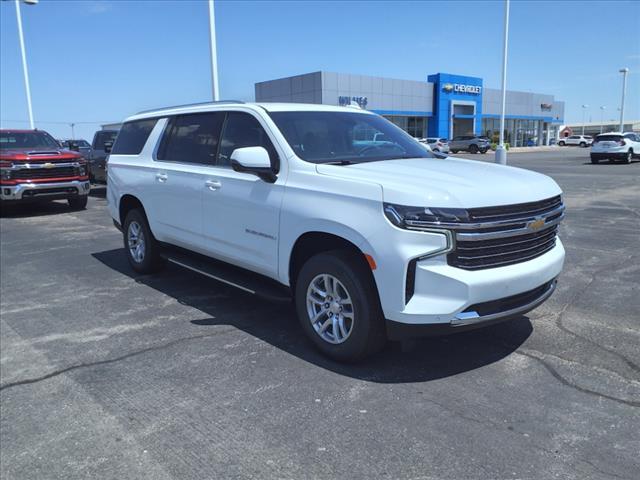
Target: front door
240, 211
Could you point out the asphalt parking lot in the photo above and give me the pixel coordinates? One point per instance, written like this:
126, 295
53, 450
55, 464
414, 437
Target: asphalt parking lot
108, 374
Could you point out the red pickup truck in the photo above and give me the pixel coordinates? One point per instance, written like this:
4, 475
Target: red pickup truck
33, 167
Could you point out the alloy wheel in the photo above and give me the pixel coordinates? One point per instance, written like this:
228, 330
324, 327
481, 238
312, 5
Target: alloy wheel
135, 240
330, 309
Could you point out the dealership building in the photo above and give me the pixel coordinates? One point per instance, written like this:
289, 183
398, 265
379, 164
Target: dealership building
444, 105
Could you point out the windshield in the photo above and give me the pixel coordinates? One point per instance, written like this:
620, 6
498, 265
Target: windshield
609, 138
25, 140
103, 136
325, 137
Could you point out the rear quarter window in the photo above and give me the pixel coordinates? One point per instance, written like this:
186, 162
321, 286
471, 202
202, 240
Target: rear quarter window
609, 138
132, 137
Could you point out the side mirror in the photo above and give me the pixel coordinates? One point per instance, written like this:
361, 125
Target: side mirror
253, 160
107, 147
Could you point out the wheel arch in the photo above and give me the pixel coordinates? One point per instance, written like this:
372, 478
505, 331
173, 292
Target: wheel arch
127, 203
316, 241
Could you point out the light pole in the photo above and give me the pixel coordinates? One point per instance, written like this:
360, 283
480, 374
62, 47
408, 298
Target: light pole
602, 109
501, 152
214, 52
73, 133
624, 72
584, 108
24, 59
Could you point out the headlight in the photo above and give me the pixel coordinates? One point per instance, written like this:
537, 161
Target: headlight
5, 170
82, 166
417, 217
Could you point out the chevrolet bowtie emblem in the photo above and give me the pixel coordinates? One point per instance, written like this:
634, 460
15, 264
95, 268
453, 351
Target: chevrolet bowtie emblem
48, 165
536, 224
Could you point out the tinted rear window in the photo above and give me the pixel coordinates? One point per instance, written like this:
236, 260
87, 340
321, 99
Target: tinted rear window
609, 138
133, 136
103, 136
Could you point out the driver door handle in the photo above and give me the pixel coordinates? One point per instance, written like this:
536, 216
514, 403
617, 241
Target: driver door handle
213, 185
161, 177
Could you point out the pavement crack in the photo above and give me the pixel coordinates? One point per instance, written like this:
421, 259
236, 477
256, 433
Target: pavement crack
135, 353
567, 383
560, 315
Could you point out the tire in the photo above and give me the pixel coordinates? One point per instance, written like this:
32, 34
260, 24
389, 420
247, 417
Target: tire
454, 151
561, 144
629, 157
594, 160
136, 228
583, 145
351, 279
473, 149
437, 150
79, 202
483, 151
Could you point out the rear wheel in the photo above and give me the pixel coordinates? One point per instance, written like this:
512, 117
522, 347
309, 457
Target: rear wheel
629, 156
582, 144
595, 160
473, 149
338, 306
561, 143
454, 151
143, 250
78, 203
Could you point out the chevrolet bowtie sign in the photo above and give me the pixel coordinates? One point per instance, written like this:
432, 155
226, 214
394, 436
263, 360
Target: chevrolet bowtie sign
460, 88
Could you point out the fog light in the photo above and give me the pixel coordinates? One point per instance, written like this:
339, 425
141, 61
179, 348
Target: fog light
7, 191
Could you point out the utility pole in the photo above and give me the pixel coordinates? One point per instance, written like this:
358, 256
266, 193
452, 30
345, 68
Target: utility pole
624, 72
584, 108
25, 71
214, 53
501, 152
602, 108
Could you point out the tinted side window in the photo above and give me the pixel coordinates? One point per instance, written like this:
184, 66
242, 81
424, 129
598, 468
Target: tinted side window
101, 137
192, 138
243, 130
132, 137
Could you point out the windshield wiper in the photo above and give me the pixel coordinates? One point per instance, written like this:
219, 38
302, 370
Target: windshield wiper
338, 162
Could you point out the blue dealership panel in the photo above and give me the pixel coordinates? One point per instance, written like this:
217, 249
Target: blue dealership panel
449, 89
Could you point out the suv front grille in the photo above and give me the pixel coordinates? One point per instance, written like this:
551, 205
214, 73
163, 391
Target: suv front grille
505, 235
498, 252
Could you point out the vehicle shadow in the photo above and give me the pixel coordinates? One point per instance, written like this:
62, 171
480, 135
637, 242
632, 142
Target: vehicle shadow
424, 360
36, 209
98, 190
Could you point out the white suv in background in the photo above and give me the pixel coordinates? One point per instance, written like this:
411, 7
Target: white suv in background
577, 140
615, 146
373, 240
436, 144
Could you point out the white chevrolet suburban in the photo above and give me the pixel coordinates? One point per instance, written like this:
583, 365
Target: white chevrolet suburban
373, 240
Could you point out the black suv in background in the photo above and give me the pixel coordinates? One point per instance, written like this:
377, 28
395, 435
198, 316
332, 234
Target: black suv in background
469, 143
98, 156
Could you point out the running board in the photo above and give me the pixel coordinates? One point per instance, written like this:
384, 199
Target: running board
228, 274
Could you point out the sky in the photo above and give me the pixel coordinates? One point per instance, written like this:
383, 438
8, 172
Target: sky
93, 62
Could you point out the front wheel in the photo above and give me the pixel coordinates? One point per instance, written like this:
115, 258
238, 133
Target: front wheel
338, 306
583, 145
143, 250
595, 161
473, 149
78, 203
454, 151
562, 144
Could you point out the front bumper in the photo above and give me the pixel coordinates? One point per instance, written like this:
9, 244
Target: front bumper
29, 191
477, 316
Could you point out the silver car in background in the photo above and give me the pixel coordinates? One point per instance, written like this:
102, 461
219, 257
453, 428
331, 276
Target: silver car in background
436, 144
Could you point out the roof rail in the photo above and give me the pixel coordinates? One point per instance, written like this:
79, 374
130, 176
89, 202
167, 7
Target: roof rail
218, 102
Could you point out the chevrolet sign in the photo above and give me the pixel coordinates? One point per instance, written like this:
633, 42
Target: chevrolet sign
461, 88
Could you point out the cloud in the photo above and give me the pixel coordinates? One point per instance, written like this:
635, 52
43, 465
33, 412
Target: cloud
635, 56
96, 7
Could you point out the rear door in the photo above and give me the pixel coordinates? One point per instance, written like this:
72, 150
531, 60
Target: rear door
182, 162
240, 211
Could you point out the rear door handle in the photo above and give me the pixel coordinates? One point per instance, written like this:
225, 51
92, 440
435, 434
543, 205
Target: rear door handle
213, 185
161, 177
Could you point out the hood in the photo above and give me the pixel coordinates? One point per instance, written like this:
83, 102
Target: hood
27, 154
450, 182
